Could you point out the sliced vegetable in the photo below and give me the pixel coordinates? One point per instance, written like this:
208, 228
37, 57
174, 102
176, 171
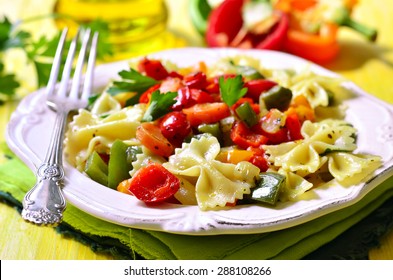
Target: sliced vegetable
268, 187
152, 68
244, 137
196, 80
199, 12
175, 127
97, 169
153, 183
272, 126
118, 165
132, 152
342, 17
256, 87
213, 129
292, 123
151, 137
246, 24
246, 113
320, 48
206, 113
277, 97
248, 72
123, 186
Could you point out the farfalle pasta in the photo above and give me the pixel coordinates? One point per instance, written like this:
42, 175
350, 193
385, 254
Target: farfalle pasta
217, 136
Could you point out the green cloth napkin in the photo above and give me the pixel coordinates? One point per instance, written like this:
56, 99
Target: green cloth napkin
122, 242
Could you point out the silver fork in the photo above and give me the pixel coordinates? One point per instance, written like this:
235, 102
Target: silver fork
44, 204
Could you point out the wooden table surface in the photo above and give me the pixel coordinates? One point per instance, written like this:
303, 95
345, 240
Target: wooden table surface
368, 65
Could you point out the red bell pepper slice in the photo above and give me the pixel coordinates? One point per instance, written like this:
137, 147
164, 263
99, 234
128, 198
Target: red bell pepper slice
256, 87
153, 183
225, 22
245, 137
152, 68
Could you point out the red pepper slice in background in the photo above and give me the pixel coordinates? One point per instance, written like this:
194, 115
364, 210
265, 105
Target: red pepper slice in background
226, 22
153, 183
320, 48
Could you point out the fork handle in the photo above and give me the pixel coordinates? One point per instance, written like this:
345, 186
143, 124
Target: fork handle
45, 203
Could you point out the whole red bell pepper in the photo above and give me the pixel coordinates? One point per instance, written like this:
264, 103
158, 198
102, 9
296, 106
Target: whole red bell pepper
226, 28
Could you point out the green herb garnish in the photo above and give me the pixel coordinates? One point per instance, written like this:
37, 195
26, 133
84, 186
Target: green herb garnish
231, 89
160, 104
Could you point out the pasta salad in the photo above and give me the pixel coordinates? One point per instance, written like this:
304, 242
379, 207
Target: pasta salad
217, 135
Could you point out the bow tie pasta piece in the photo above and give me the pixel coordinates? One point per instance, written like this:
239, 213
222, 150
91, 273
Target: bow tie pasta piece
344, 167
294, 186
88, 132
144, 158
319, 139
217, 183
328, 146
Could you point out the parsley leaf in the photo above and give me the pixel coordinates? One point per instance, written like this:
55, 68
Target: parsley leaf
231, 89
40, 52
9, 38
160, 104
8, 83
132, 81
104, 47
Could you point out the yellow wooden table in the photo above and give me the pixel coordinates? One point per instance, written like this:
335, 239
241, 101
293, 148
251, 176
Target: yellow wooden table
368, 65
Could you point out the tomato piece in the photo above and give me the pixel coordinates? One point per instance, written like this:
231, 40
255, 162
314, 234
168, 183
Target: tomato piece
272, 125
183, 99
187, 97
152, 68
145, 97
258, 159
151, 137
153, 183
175, 127
196, 80
256, 87
200, 96
244, 137
171, 84
294, 126
206, 113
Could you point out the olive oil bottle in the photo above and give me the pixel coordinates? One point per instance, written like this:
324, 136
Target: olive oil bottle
136, 27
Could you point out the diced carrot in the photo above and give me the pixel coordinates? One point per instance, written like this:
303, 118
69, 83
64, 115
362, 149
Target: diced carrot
151, 137
206, 113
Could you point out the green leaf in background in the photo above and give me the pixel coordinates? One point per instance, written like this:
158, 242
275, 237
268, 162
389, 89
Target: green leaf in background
199, 11
9, 37
41, 51
8, 83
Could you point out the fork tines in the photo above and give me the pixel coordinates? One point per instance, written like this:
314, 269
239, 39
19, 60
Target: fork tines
76, 80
